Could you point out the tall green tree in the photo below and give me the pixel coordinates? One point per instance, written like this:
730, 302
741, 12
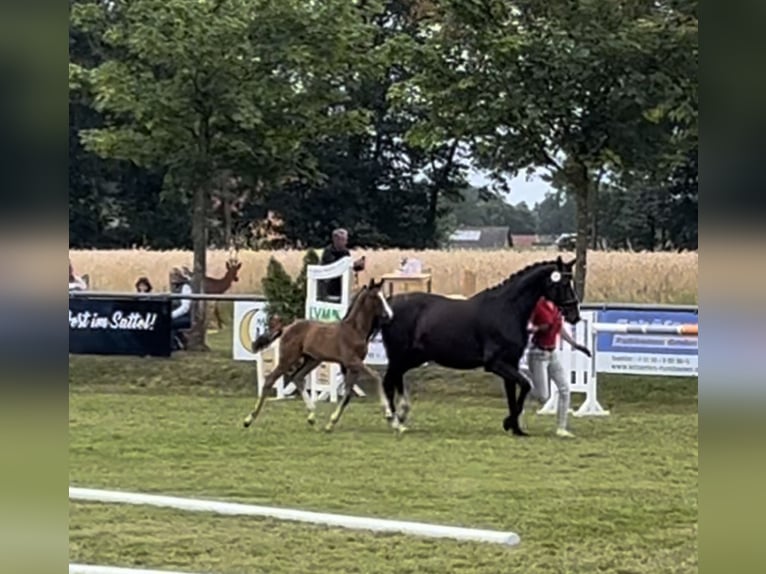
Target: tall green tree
642, 213
384, 190
197, 88
555, 214
480, 207
576, 88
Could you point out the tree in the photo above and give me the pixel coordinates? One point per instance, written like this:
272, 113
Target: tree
555, 214
384, 190
683, 225
578, 88
641, 213
198, 88
112, 202
287, 298
480, 207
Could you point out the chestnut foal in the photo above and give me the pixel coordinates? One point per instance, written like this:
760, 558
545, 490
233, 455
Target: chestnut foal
306, 344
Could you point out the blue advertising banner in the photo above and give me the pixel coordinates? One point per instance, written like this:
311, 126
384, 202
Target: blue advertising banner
668, 354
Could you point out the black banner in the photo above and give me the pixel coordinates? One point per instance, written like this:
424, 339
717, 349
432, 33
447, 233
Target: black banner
105, 326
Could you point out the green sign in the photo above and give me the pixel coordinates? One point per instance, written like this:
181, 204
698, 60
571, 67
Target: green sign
326, 314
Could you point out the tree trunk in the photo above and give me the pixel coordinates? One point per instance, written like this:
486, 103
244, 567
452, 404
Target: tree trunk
440, 182
199, 240
578, 179
203, 182
433, 206
581, 243
227, 208
592, 203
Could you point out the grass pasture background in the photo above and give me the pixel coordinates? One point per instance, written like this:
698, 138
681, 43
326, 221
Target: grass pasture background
621, 497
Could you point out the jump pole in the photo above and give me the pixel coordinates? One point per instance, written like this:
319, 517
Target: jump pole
691, 330
94, 569
319, 518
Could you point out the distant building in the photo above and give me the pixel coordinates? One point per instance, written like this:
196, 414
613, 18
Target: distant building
479, 238
524, 241
494, 238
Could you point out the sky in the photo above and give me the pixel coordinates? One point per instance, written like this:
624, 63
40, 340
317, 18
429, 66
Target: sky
531, 191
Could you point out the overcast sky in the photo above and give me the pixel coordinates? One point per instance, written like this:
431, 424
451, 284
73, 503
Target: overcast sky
531, 191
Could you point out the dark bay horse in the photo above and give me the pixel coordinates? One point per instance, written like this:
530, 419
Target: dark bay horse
306, 344
488, 330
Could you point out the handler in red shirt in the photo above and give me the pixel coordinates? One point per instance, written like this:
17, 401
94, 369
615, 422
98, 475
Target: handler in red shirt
546, 324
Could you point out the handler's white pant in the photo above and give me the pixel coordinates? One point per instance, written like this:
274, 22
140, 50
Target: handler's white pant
545, 366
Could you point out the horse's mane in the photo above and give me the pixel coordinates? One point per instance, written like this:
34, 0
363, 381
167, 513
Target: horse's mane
353, 301
514, 278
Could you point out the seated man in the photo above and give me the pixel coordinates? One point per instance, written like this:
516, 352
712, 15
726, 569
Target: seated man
180, 315
331, 289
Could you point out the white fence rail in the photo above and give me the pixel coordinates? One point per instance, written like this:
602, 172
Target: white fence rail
165, 296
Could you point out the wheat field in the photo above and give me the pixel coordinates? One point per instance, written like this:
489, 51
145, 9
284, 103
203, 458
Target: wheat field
615, 276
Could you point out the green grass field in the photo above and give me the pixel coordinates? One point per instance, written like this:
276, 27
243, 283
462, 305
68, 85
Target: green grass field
621, 497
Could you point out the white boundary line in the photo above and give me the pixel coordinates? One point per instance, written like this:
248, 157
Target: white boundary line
338, 520
91, 569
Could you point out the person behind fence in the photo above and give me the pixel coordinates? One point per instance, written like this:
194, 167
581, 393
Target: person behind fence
143, 285
180, 315
331, 289
546, 325
75, 282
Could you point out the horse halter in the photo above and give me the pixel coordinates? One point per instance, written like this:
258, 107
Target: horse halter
387, 311
559, 279
574, 302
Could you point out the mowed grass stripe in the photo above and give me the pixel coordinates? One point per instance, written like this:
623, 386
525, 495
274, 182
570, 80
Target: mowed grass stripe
168, 539
164, 538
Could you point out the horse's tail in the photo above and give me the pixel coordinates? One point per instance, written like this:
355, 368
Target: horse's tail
276, 328
263, 341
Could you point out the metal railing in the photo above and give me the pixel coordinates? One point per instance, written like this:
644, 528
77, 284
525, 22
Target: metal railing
256, 297
165, 296
638, 307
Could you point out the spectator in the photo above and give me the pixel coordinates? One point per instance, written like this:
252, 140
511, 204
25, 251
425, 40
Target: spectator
143, 285
181, 309
338, 249
75, 283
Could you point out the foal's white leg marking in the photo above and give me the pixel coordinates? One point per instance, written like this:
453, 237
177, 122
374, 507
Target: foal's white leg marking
398, 425
309, 405
386, 306
307, 399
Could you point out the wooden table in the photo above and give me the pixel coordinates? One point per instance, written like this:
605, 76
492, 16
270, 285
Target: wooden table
416, 279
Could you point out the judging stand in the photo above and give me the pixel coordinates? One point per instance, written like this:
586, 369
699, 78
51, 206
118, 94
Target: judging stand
411, 276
